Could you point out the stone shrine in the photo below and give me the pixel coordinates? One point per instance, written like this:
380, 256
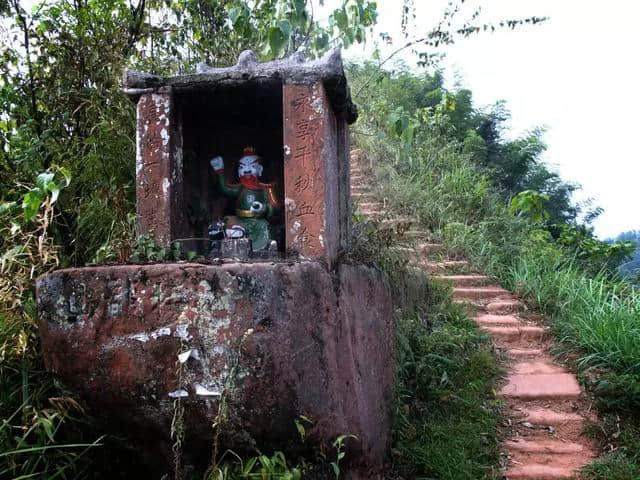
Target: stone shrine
294, 114
279, 336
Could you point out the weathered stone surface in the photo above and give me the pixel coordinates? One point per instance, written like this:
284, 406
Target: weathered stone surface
159, 192
312, 216
328, 70
283, 340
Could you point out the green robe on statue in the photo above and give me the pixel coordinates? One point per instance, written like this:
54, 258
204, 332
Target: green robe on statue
254, 203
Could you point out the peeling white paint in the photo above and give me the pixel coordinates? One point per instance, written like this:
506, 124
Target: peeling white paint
161, 332
220, 349
165, 186
317, 106
139, 163
182, 332
184, 356
145, 337
287, 150
182, 393
321, 240
114, 310
290, 204
141, 337
160, 101
165, 137
209, 391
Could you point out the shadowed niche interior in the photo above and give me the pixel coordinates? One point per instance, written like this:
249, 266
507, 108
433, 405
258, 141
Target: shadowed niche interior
223, 122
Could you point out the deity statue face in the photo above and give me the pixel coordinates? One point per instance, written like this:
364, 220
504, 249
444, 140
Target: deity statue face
249, 165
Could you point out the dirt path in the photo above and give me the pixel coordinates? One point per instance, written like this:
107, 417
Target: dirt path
545, 407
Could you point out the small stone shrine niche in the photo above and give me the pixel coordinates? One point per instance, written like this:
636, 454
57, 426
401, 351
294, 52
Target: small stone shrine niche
257, 151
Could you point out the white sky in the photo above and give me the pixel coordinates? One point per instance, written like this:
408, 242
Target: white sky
578, 74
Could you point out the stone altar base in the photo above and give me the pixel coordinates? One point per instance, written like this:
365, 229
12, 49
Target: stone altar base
278, 340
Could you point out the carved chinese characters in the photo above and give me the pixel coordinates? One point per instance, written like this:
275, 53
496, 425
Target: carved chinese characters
158, 167
305, 115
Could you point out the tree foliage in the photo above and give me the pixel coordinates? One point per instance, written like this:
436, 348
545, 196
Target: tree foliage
416, 110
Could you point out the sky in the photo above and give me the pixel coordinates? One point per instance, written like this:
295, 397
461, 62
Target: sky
577, 74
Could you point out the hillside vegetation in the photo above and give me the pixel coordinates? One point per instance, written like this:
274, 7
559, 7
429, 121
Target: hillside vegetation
438, 159
631, 268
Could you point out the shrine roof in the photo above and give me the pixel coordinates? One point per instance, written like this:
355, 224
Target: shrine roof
294, 69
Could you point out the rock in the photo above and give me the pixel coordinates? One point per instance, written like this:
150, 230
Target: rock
277, 340
328, 70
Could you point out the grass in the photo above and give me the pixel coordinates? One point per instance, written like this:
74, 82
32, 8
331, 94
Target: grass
595, 316
445, 412
621, 437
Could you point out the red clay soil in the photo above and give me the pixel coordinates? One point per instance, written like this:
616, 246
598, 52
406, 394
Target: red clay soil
545, 407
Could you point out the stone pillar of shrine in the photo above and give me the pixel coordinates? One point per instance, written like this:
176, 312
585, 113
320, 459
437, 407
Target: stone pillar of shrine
316, 195
159, 166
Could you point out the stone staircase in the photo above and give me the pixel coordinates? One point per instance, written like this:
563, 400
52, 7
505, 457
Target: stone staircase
545, 408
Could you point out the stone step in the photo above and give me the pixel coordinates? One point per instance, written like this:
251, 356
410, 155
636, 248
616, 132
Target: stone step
369, 211
546, 416
463, 280
539, 472
535, 367
550, 447
356, 178
372, 215
429, 247
503, 306
468, 303
560, 386
423, 247
479, 293
374, 205
488, 320
397, 220
361, 197
417, 234
515, 334
435, 267
565, 458
525, 352
358, 189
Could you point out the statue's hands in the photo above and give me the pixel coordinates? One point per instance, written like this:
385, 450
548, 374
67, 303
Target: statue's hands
217, 163
257, 207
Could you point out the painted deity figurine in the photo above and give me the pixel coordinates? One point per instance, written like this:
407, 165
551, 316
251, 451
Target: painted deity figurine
255, 202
